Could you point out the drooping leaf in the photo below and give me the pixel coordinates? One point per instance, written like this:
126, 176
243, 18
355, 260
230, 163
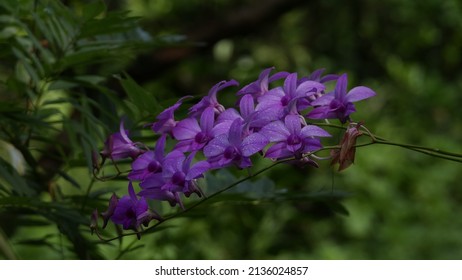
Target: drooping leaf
13, 182
141, 98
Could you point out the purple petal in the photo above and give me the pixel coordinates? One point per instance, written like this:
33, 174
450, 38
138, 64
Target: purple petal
323, 100
158, 194
293, 124
185, 145
294, 147
311, 144
246, 106
187, 162
170, 187
359, 93
143, 160
152, 181
272, 96
221, 85
253, 143
318, 113
290, 84
197, 170
166, 118
131, 192
123, 133
278, 150
244, 163
228, 115
275, 131
341, 87
309, 87
216, 146
235, 133
207, 120
141, 207
316, 74
186, 129
140, 166
160, 147
329, 77
221, 128
278, 76
172, 163
313, 130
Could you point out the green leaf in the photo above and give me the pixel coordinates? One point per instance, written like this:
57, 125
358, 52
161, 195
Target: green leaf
141, 98
112, 23
338, 208
14, 182
92, 10
69, 179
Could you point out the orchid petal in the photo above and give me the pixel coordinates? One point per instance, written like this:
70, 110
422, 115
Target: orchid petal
341, 87
253, 143
290, 84
308, 88
123, 133
217, 146
246, 106
275, 131
197, 170
154, 180
228, 115
278, 150
235, 133
318, 113
316, 74
293, 124
131, 191
160, 147
278, 76
172, 163
207, 120
186, 129
221, 128
187, 162
313, 130
359, 93
323, 100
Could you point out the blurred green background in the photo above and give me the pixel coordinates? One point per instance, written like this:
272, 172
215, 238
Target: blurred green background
400, 204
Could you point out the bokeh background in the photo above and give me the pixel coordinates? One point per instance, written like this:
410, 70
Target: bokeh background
391, 204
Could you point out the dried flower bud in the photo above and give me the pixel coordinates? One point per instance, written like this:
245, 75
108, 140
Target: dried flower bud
345, 156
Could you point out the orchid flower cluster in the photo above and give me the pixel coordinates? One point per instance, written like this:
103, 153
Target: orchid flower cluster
269, 120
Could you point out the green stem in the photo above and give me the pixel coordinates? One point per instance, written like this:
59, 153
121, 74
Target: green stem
421, 149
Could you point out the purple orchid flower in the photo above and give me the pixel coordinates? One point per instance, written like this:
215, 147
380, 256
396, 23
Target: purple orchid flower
339, 104
290, 139
252, 119
260, 86
233, 147
316, 76
283, 100
211, 99
166, 119
149, 162
178, 176
193, 136
119, 146
131, 212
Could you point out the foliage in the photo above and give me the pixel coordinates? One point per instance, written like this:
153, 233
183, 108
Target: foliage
68, 73
55, 111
